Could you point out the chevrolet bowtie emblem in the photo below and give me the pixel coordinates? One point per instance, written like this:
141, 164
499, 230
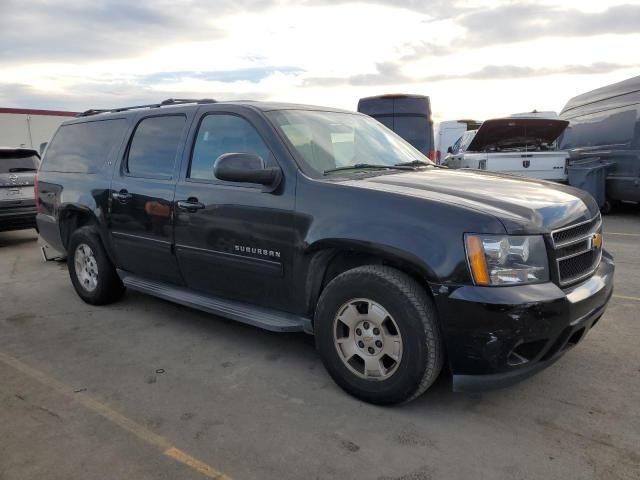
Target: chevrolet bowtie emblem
596, 241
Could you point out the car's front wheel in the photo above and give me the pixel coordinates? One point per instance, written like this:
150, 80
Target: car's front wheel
92, 274
377, 334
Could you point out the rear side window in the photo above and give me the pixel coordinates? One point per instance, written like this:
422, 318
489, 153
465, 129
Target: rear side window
154, 147
83, 147
14, 162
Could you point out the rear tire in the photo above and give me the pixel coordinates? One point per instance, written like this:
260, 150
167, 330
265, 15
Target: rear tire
92, 274
377, 334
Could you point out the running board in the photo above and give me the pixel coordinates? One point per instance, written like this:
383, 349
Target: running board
261, 317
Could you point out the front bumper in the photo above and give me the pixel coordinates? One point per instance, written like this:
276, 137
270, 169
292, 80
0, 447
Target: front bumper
497, 336
18, 217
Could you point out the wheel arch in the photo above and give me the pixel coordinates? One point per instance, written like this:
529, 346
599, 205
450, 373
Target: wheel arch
328, 259
72, 217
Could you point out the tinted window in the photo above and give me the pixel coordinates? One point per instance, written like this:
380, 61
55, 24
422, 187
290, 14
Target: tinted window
386, 121
618, 126
376, 106
11, 162
219, 134
83, 147
154, 147
415, 130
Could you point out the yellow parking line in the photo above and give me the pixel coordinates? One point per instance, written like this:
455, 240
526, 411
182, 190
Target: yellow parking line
625, 297
625, 234
123, 422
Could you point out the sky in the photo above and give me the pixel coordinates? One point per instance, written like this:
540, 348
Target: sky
474, 58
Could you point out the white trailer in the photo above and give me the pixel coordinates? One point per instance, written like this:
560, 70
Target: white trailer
29, 128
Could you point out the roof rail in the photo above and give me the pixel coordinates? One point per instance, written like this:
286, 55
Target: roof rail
164, 103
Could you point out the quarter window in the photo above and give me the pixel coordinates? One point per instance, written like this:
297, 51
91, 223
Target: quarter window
219, 134
84, 147
155, 144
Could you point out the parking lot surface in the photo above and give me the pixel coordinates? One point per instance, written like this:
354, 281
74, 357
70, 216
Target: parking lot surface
147, 389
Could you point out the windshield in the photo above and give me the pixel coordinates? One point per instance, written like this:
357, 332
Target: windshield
326, 141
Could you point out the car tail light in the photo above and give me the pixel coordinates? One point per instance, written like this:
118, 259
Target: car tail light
430, 155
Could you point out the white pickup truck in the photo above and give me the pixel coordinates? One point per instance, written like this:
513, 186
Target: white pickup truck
519, 146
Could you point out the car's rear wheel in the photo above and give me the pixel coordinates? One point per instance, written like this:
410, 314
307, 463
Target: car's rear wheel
92, 274
377, 334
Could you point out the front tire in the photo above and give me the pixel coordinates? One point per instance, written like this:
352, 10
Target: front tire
377, 334
93, 276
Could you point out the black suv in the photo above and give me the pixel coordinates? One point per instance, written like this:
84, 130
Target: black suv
298, 218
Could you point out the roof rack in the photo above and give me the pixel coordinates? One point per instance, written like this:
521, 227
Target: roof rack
164, 103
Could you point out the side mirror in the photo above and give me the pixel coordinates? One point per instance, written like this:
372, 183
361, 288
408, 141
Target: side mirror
246, 168
449, 150
43, 145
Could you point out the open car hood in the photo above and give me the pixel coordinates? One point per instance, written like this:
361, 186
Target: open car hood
516, 130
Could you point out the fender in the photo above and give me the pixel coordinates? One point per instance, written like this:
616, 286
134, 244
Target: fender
74, 215
327, 258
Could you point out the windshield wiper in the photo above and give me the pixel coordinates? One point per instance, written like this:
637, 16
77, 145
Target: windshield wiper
372, 166
414, 163
418, 163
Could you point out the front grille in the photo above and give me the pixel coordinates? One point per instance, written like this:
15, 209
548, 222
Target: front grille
574, 267
568, 234
577, 255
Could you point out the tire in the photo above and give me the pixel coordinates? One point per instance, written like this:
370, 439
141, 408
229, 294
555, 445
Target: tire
608, 207
368, 294
94, 279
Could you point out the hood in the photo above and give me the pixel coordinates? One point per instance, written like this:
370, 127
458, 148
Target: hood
522, 205
516, 131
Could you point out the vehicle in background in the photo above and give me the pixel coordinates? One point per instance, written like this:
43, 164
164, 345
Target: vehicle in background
250, 211
519, 146
407, 115
536, 114
18, 167
30, 128
448, 132
604, 124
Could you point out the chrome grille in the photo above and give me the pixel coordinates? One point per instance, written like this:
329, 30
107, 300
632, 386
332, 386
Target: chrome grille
568, 234
575, 254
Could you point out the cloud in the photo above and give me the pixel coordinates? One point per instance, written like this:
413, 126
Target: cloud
433, 8
253, 75
113, 95
498, 72
517, 22
390, 74
513, 22
86, 30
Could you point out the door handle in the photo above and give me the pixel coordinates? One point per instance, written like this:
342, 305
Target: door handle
122, 196
190, 205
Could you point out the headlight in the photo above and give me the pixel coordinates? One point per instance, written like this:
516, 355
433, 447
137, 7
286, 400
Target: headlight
507, 260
